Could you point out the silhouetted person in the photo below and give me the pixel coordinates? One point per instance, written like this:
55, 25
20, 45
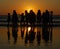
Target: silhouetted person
51, 24
8, 33
32, 17
39, 16
26, 16
8, 19
14, 26
22, 19
47, 15
43, 23
38, 37
45, 31
14, 19
45, 18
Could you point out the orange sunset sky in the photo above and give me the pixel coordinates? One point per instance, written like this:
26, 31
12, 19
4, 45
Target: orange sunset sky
7, 6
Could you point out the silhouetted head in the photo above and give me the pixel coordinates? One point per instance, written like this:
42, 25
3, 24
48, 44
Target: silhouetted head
31, 11
14, 12
9, 14
43, 14
26, 12
39, 12
47, 11
8, 19
22, 14
51, 12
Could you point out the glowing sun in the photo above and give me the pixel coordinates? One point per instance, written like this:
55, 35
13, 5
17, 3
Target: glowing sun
28, 9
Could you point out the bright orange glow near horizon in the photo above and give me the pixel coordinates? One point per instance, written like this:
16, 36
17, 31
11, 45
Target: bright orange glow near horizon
28, 9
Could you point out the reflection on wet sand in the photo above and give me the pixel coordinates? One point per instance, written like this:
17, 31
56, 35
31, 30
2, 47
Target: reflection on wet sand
30, 35
21, 42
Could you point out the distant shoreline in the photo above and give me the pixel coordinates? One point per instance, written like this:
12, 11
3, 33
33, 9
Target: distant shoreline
3, 21
5, 25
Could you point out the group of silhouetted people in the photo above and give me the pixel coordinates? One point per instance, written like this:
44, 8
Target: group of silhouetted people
28, 18
45, 20
14, 26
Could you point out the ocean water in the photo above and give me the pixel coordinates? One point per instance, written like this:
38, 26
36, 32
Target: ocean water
20, 44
